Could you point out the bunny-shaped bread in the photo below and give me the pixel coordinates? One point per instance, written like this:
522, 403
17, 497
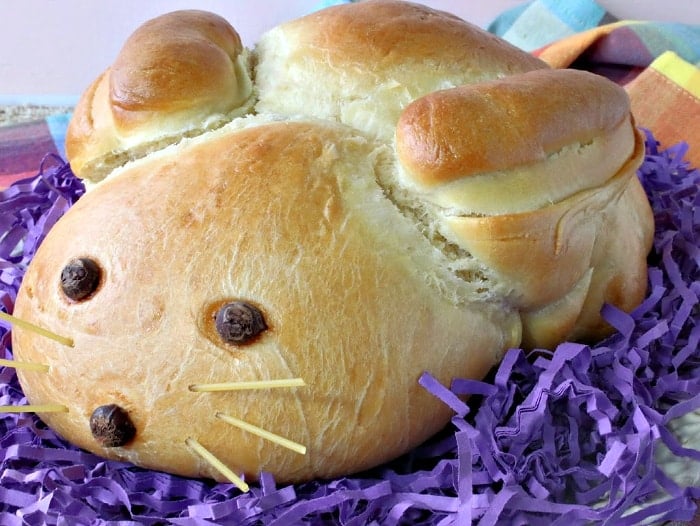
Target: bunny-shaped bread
374, 191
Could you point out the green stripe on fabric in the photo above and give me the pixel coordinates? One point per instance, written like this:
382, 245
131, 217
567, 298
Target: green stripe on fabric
536, 27
659, 37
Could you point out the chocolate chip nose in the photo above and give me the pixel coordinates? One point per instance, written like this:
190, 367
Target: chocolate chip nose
111, 426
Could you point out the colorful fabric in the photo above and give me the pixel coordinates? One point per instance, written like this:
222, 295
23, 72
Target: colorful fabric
23, 146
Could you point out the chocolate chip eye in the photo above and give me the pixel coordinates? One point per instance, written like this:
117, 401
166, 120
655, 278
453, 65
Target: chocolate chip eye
80, 278
111, 426
239, 322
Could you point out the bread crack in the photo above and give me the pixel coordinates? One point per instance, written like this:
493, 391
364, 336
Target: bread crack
426, 218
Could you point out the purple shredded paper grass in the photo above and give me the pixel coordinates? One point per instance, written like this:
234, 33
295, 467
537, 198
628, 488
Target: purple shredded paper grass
556, 438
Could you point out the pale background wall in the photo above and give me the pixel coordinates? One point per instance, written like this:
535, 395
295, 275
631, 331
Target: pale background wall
50, 50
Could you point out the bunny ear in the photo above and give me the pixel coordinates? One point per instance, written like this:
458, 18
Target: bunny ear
177, 75
509, 145
176, 61
534, 176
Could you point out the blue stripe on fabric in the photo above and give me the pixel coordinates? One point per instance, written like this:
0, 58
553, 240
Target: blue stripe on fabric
579, 15
659, 37
58, 124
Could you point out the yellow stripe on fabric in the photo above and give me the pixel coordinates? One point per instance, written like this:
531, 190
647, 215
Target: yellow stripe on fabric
673, 67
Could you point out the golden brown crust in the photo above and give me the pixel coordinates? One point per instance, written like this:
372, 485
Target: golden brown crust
206, 47
502, 124
381, 34
229, 218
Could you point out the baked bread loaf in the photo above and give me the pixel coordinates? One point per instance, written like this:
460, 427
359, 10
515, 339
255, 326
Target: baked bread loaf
385, 190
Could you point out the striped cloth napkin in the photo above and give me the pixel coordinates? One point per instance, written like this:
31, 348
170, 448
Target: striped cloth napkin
23, 146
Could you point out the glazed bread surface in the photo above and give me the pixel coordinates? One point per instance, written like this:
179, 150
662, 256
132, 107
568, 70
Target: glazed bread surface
357, 303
